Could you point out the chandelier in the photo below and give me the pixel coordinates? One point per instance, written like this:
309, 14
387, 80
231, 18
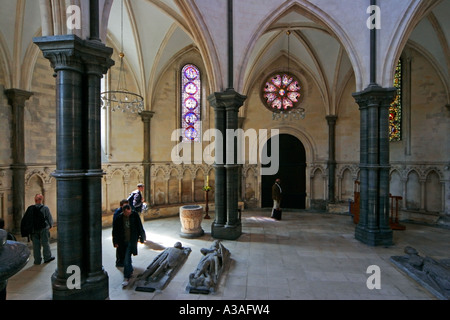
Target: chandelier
121, 99
282, 93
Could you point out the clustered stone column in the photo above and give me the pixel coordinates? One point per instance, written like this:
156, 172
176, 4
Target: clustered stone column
331, 120
146, 119
227, 224
373, 227
79, 65
17, 99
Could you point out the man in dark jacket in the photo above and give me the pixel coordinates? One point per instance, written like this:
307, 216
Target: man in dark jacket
127, 231
276, 197
137, 198
41, 221
119, 250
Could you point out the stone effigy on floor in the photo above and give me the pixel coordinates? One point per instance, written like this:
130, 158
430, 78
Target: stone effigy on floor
432, 274
13, 257
206, 277
162, 269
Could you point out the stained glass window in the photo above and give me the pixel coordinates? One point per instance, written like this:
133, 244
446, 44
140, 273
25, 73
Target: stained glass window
190, 103
395, 110
281, 92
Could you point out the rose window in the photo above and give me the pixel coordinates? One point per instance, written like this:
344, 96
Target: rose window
281, 92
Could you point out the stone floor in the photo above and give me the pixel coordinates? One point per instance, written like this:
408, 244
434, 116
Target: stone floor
305, 256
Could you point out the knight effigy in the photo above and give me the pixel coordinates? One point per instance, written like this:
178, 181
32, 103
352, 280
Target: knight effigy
434, 275
162, 269
13, 257
206, 277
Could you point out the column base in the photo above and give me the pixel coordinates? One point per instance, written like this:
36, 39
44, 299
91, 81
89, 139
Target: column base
226, 232
374, 238
93, 289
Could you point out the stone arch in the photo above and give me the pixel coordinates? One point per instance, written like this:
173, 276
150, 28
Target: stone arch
346, 183
318, 187
212, 183
35, 173
396, 183
250, 187
186, 186
309, 10
173, 186
118, 192
5, 69
304, 138
433, 191
159, 187
301, 135
199, 182
414, 14
34, 184
134, 176
413, 190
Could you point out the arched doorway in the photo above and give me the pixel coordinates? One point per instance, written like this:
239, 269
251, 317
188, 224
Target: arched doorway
292, 172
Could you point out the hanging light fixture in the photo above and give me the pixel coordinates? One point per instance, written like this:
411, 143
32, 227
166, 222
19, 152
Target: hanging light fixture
121, 99
283, 94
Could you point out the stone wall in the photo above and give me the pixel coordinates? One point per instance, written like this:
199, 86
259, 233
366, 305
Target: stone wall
419, 163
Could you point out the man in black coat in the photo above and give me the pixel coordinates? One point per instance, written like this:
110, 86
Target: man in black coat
127, 231
276, 197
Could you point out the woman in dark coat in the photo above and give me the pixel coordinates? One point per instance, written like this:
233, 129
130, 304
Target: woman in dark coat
127, 231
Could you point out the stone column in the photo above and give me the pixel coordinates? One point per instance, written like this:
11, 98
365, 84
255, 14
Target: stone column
17, 99
331, 120
241, 182
227, 224
94, 70
373, 227
146, 117
79, 65
232, 168
219, 166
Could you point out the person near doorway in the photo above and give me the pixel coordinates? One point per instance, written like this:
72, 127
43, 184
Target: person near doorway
276, 197
126, 232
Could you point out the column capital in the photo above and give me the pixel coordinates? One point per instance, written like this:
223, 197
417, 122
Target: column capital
146, 116
227, 99
69, 52
331, 119
17, 97
375, 95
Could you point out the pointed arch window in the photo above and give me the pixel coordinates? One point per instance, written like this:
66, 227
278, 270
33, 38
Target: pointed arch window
395, 110
191, 103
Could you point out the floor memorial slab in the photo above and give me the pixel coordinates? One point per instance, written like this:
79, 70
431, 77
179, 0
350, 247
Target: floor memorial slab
432, 274
206, 277
162, 269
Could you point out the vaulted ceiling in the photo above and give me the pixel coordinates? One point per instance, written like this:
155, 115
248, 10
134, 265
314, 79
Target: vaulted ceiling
154, 31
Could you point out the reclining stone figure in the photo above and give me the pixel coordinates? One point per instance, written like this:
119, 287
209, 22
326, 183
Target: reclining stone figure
435, 275
162, 268
207, 274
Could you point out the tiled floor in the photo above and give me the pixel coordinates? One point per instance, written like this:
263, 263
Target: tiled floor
305, 256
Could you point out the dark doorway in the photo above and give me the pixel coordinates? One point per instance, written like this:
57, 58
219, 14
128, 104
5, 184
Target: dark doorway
292, 172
